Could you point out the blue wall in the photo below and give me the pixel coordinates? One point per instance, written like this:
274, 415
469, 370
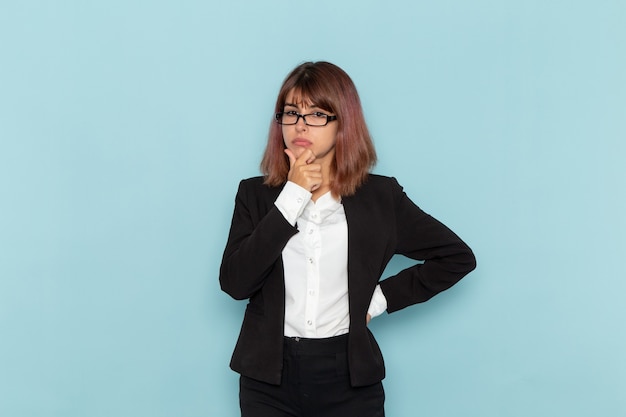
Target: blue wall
125, 127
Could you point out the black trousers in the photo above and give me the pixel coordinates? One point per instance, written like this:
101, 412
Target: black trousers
315, 383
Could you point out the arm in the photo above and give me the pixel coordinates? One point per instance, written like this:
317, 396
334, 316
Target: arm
446, 257
255, 243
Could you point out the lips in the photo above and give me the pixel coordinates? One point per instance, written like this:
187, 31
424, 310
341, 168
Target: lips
301, 142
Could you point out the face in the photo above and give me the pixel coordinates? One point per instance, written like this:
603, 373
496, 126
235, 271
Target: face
319, 139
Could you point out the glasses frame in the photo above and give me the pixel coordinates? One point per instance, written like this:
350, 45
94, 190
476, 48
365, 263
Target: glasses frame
280, 114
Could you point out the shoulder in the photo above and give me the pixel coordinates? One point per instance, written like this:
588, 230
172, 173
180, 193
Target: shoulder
377, 190
252, 182
379, 180
255, 186
379, 184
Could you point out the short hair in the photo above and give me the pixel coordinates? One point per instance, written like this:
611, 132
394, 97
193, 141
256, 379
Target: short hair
329, 87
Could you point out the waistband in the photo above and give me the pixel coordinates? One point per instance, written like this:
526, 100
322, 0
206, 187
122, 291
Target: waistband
306, 346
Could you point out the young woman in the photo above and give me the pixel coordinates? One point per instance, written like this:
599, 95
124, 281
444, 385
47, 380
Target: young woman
307, 246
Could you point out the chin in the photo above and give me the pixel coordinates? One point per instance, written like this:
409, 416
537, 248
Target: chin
298, 151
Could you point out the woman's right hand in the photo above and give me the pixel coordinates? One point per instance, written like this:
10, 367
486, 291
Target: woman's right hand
302, 170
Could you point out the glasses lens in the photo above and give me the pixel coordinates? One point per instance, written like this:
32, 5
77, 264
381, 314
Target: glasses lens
287, 118
316, 119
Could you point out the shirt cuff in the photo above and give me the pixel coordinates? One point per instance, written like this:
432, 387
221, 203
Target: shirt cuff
378, 304
291, 201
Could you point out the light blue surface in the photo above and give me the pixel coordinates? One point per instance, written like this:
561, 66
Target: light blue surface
125, 127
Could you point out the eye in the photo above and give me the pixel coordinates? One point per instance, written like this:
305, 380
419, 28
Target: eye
319, 114
290, 113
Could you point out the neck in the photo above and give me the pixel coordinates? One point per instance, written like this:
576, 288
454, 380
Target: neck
327, 176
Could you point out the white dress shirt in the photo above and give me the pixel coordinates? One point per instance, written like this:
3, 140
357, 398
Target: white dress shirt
315, 263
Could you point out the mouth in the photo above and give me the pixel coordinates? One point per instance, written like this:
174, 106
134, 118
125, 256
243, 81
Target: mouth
301, 142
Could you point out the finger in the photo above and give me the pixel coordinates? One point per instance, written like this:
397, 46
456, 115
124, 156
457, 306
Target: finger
311, 158
307, 157
311, 168
291, 156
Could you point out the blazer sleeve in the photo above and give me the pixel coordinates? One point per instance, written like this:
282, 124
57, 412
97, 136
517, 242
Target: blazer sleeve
446, 257
255, 242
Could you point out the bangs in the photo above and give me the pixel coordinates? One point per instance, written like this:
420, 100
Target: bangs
310, 94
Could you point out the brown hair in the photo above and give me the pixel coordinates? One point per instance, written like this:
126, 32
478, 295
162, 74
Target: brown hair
329, 87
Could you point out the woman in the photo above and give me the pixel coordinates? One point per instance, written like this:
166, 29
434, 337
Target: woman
307, 246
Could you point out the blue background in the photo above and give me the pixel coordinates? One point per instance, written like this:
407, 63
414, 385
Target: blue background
125, 127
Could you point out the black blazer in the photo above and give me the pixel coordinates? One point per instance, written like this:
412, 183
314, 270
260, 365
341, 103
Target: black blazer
382, 221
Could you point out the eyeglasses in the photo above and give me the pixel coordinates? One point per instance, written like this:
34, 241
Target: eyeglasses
313, 119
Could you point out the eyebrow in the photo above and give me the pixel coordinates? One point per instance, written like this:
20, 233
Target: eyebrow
312, 105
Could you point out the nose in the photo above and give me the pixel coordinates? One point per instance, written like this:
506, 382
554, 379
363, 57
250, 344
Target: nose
300, 125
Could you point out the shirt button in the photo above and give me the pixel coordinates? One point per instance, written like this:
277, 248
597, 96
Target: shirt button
311, 292
299, 200
310, 231
310, 260
309, 322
